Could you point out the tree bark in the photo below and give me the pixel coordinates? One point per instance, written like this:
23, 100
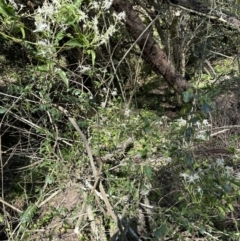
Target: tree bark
151, 50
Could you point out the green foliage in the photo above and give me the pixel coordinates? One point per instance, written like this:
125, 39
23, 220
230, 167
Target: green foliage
145, 161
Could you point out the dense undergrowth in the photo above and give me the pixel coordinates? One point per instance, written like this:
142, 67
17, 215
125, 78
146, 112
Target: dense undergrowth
85, 156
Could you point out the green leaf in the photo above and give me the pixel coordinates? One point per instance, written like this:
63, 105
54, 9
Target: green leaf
23, 32
206, 108
64, 77
185, 108
93, 55
49, 180
43, 68
222, 211
78, 3
227, 188
6, 9
80, 42
74, 43
3, 110
187, 96
188, 160
28, 214
160, 232
147, 170
231, 207
188, 133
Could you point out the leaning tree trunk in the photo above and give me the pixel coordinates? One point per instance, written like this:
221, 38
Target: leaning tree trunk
151, 50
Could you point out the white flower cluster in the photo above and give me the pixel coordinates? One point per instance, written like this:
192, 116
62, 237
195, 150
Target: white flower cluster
45, 16
190, 178
54, 17
181, 122
14, 4
202, 127
223, 171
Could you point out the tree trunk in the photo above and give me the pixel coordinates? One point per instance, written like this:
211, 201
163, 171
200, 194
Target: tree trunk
151, 50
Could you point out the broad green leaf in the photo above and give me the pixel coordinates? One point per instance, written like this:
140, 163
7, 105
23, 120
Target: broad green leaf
3, 110
185, 108
6, 9
147, 170
43, 68
64, 77
188, 160
187, 96
81, 41
160, 232
206, 108
227, 188
74, 43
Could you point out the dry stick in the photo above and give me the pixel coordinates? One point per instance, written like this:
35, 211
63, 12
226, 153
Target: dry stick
104, 195
81, 214
85, 142
11, 206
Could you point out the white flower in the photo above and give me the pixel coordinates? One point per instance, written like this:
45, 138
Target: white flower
95, 5
82, 16
43, 42
127, 112
182, 122
56, 3
206, 123
193, 177
184, 175
220, 162
168, 159
237, 176
114, 92
40, 23
45, 48
95, 22
47, 10
14, 4
159, 123
190, 178
198, 124
107, 4
111, 30
228, 171
84, 68
122, 16
103, 104
201, 135
199, 189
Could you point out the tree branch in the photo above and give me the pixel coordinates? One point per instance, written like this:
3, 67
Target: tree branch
202, 10
150, 49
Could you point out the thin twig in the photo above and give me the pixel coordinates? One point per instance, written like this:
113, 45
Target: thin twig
11, 206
